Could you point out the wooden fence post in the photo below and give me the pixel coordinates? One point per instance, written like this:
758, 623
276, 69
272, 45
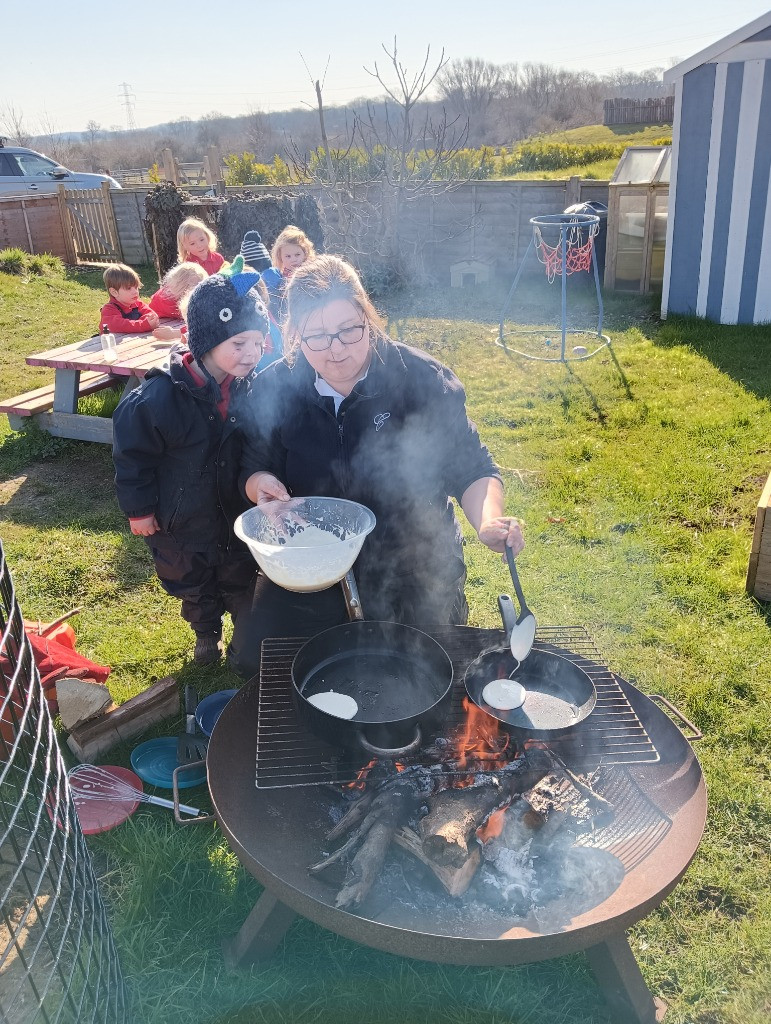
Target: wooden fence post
170, 167
573, 191
213, 165
64, 216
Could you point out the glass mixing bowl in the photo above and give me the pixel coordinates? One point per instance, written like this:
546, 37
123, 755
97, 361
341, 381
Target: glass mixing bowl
305, 544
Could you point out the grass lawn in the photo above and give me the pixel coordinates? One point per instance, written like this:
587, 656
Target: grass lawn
637, 478
600, 170
629, 134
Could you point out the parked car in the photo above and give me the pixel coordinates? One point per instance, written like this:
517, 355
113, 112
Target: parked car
23, 172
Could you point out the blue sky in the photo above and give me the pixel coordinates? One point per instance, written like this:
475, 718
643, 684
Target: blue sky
67, 61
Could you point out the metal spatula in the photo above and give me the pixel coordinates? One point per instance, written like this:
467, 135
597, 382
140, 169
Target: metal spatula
191, 745
523, 631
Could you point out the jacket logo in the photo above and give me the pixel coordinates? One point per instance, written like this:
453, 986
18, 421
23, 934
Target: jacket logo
380, 419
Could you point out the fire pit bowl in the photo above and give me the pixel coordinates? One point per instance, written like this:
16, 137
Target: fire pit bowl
305, 544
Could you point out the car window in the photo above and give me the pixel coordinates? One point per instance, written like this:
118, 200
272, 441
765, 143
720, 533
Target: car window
35, 166
8, 167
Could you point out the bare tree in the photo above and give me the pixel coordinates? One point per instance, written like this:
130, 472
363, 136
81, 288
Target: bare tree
12, 124
93, 128
469, 86
389, 156
211, 128
53, 143
635, 85
259, 134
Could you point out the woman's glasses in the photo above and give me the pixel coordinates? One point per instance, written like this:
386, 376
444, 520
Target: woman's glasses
348, 336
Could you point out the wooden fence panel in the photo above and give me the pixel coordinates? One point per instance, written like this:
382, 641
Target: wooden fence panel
485, 220
32, 223
659, 110
93, 225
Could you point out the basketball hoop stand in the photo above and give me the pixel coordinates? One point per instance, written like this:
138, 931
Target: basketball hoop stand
573, 252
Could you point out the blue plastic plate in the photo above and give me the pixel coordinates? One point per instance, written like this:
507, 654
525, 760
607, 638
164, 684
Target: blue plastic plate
210, 708
155, 761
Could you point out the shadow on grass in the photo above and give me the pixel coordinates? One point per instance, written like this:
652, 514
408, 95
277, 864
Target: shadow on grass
742, 351
535, 301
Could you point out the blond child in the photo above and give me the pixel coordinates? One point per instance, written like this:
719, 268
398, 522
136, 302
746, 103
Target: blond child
176, 284
197, 243
125, 313
290, 250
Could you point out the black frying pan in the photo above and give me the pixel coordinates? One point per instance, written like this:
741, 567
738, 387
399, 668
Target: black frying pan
558, 694
400, 678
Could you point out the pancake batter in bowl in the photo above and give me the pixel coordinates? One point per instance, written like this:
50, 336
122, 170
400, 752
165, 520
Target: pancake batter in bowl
308, 561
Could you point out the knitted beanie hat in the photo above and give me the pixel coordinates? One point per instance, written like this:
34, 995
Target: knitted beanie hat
254, 252
222, 306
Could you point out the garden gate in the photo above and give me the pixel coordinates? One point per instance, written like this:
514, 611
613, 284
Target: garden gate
88, 214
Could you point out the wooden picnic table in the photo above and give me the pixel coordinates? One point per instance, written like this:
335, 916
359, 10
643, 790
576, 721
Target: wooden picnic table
136, 354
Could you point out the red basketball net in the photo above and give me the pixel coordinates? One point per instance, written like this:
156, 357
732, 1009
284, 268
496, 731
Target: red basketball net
578, 253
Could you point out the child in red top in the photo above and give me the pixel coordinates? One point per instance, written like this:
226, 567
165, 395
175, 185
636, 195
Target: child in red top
197, 243
176, 284
125, 313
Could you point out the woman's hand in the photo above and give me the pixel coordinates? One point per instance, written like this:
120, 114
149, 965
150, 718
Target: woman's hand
482, 503
144, 527
500, 531
262, 487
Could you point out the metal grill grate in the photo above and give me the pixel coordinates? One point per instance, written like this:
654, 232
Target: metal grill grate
289, 755
58, 963
638, 826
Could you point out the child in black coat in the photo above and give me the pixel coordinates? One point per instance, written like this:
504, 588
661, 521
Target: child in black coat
176, 450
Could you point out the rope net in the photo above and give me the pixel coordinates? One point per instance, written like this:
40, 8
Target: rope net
578, 253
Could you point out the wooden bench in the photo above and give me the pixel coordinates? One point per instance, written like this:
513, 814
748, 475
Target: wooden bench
759, 570
41, 400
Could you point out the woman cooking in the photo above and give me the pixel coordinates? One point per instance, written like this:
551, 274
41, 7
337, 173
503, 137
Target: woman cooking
351, 414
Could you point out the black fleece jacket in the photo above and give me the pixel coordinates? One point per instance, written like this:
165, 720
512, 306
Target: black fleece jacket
175, 456
401, 443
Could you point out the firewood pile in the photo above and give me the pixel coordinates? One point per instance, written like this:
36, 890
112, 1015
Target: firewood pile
460, 826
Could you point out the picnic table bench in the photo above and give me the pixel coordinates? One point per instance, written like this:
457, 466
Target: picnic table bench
80, 368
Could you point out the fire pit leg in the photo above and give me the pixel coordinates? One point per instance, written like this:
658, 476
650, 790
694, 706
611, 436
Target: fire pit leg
260, 933
622, 983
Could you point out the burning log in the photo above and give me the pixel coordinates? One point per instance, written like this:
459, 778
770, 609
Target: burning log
374, 820
355, 813
368, 860
455, 814
454, 880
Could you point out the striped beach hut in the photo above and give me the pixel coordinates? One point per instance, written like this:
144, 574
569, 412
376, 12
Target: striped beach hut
718, 251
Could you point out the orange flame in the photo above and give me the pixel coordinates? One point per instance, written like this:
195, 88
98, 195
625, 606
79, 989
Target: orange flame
480, 742
493, 826
361, 776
